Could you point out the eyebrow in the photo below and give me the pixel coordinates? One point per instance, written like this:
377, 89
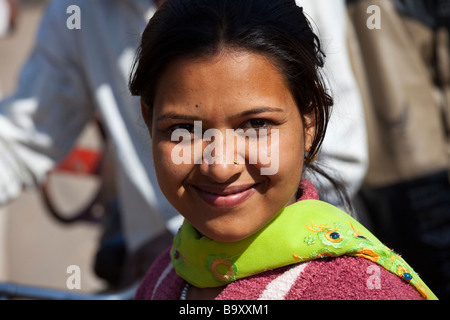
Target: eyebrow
176, 116
257, 111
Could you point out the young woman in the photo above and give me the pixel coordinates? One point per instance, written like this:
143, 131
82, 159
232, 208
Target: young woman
236, 108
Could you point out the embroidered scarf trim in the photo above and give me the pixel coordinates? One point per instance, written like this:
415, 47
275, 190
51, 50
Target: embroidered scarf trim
304, 231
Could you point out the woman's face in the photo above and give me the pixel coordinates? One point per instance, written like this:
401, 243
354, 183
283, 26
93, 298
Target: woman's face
217, 124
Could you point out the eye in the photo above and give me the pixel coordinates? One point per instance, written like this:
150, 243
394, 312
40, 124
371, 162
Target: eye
184, 126
258, 124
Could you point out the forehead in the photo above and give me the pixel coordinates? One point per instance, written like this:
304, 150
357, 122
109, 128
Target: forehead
229, 78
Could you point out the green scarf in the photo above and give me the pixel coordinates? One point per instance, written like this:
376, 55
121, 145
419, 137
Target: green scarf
304, 231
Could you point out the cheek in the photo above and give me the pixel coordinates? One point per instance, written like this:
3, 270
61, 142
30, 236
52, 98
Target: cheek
170, 176
292, 151
291, 155
280, 157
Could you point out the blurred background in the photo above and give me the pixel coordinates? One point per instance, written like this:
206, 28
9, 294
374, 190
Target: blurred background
35, 248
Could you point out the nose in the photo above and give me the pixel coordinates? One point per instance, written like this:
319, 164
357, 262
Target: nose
221, 162
221, 172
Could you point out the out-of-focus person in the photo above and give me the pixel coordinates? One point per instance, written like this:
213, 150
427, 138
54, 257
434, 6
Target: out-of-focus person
401, 54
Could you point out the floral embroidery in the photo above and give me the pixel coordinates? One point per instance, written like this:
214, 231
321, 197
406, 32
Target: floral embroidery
329, 236
338, 240
222, 267
309, 240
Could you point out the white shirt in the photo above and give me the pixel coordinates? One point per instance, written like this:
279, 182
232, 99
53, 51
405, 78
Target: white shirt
345, 151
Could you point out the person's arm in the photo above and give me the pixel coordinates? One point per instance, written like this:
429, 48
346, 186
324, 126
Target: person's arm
41, 121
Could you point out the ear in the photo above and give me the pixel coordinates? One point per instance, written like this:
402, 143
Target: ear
309, 131
145, 111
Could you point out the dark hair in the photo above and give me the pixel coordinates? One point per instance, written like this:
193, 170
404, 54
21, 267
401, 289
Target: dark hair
277, 29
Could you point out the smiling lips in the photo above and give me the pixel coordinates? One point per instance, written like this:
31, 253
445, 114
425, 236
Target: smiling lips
225, 198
